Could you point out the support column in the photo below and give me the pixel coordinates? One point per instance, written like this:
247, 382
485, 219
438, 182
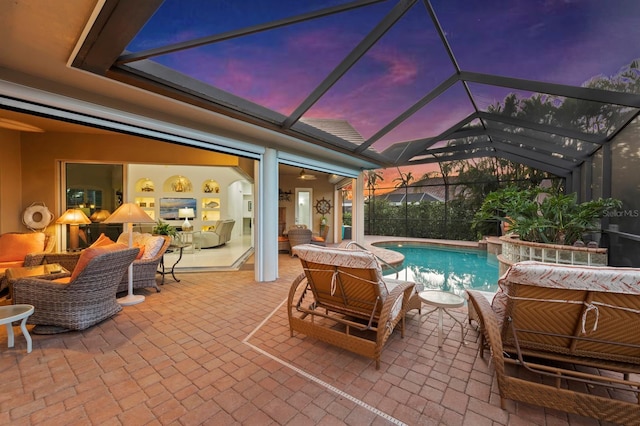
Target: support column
357, 208
266, 227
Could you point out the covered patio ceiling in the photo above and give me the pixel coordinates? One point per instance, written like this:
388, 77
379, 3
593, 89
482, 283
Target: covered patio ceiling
397, 82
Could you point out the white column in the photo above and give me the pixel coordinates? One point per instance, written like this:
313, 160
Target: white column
266, 217
357, 208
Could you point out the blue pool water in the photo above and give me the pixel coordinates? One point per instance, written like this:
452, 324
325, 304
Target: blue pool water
448, 269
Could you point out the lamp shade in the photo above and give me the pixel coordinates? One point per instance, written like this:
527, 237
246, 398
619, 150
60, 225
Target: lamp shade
100, 215
73, 217
129, 213
186, 212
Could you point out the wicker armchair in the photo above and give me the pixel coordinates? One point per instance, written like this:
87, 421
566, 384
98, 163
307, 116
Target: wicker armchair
321, 239
87, 300
145, 270
299, 236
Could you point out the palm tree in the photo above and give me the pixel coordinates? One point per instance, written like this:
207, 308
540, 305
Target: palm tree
404, 180
372, 177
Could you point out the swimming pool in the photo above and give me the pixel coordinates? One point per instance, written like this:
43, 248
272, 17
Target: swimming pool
445, 268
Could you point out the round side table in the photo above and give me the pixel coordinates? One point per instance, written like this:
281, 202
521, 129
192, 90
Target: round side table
11, 313
441, 301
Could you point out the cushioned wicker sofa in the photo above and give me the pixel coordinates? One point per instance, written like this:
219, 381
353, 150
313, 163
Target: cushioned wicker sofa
15, 247
552, 329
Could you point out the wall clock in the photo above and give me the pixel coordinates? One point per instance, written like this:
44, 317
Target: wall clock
323, 206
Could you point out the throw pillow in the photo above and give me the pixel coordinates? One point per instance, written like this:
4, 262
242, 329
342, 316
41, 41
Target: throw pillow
89, 253
152, 246
317, 239
17, 246
142, 249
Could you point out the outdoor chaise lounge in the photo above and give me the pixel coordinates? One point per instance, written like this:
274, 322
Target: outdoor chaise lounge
563, 323
342, 298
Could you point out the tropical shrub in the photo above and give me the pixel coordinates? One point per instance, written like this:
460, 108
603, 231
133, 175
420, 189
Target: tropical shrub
544, 215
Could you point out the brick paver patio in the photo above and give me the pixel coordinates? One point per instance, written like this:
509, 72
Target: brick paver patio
215, 349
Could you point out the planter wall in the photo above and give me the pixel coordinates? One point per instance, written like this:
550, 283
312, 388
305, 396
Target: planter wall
514, 250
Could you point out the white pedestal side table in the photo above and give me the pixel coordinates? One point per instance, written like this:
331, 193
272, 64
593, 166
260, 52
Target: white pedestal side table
11, 313
443, 300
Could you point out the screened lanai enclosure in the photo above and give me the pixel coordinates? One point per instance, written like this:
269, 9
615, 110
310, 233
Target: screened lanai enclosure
541, 89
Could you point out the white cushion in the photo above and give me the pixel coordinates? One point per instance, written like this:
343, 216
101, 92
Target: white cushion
152, 243
152, 246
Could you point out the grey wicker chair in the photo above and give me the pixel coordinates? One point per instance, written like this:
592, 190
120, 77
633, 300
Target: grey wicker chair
83, 302
145, 270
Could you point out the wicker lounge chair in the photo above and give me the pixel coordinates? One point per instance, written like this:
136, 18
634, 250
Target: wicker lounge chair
86, 300
341, 298
551, 318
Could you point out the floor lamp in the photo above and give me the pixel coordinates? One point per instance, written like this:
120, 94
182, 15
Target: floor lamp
129, 213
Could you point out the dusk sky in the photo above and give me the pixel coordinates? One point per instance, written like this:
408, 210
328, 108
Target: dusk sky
555, 41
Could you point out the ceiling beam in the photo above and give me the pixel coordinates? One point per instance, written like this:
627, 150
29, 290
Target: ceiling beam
584, 93
115, 26
442, 87
463, 155
171, 48
412, 148
518, 122
535, 156
363, 47
532, 163
539, 144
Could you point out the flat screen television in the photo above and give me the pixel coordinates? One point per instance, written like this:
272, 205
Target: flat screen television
169, 207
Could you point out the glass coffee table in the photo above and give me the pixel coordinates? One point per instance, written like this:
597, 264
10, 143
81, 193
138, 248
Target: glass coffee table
441, 301
11, 313
51, 271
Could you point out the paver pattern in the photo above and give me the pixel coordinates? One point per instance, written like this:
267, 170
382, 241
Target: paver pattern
215, 349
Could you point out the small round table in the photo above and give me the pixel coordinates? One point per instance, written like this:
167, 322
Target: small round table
442, 300
11, 313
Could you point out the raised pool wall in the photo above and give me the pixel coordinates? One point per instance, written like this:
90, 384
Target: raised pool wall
514, 250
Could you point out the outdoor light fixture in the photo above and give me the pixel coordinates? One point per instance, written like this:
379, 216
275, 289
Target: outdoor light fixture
129, 213
306, 176
186, 213
74, 218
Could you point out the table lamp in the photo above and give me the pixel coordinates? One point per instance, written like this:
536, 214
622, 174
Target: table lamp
74, 218
129, 213
186, 213
100, 215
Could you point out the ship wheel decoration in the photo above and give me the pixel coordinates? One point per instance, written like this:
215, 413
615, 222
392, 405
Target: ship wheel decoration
323, 206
